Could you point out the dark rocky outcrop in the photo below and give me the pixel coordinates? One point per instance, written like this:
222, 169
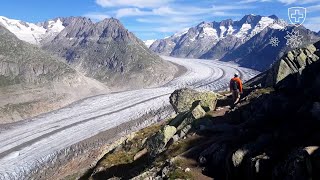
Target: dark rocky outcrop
180, 126
292, 64
275, 135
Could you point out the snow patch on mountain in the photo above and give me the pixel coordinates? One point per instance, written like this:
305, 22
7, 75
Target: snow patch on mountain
25, 31
243, 30
149, 42
209, 31
230, 30
31, 32
264, 22
206, 35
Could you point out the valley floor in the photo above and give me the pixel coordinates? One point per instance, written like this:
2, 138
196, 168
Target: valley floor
28, 145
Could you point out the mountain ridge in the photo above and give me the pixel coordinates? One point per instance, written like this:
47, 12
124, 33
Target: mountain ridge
103, 50
228, 40
215, 31
108, 52
33, 33
38, 82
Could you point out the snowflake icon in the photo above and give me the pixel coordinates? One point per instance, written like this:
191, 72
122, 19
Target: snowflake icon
274, 41
294, 39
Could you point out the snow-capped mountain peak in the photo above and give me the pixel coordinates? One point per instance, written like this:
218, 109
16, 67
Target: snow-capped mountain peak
201, 38
54, 25
25, 31
243, 29
245, 41
149, 42
31, 32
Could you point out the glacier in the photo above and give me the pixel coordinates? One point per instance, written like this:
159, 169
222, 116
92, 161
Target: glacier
31, 144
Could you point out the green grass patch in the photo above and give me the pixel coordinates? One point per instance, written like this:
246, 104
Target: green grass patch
180, 174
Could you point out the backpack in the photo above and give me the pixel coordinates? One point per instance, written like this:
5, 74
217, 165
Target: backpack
234, 85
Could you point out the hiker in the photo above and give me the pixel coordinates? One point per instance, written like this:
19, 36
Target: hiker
235, 88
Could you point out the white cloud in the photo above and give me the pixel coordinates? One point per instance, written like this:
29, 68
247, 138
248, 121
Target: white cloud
97, 16
287, 2
231, 7
183, 11
253, 1
168, 18
173, 20
133, 3
163, 16
171, 29
225, 14
161, 28
298, 1
126, 12
313, 23
165, 11
313, 8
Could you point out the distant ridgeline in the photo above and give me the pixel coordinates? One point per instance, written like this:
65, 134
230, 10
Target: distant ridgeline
246, 42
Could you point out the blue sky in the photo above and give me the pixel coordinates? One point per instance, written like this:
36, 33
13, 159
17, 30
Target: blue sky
153, 19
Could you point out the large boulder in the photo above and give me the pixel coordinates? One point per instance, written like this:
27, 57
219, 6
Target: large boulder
198, 112
176, 129
183, 99
157, 143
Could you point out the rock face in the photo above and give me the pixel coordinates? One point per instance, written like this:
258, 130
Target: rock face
245, 42
222, 48
183, 99
274, 134
189, 109
108, 52
157, 143
23, 63
37, 81
294, 62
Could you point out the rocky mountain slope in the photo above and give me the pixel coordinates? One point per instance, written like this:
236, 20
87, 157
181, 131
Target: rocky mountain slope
33, 82
258, 53
273, 133
246, 42
105, 50
108, 52
207, 34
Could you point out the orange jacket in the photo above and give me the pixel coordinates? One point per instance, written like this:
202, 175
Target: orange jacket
237, 79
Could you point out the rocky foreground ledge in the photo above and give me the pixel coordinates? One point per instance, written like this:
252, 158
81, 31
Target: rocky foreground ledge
273, 133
